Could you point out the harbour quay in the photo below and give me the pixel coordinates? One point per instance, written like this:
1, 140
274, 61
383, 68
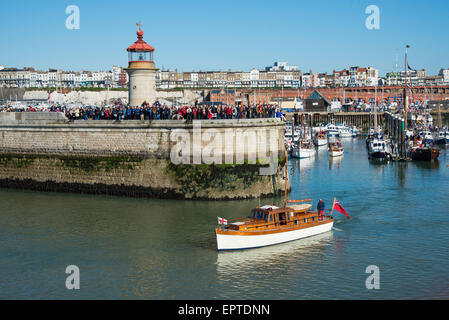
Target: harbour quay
174, 159
362, 120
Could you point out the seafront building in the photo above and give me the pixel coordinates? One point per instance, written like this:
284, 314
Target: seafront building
278, 75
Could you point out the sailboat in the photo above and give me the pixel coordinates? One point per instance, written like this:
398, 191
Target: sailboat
304, 148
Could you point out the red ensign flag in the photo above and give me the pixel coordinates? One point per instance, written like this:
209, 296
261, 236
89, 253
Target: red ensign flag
339, 208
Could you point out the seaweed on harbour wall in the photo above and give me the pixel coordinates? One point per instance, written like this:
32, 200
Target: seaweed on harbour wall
12, 161
84, 163
195, 178
95, 164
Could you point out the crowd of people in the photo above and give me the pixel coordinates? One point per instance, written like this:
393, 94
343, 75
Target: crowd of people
159, 111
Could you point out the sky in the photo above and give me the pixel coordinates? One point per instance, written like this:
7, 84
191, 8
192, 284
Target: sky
318, 35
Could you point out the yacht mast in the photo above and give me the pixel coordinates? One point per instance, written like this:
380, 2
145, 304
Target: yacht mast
286, 177
405, 91
375, 103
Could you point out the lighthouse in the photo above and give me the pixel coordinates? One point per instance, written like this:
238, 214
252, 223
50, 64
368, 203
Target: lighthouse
141, 71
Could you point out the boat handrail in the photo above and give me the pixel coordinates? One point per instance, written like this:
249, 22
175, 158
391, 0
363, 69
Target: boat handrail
286, 226
305, 200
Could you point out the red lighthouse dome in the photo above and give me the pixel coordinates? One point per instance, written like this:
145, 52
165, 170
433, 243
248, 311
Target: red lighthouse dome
140, 50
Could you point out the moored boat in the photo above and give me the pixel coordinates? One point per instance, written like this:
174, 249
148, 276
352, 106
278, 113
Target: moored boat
320, 139
424, 153
332, 130
441, 137
426, 136
335, 149
378, 148
344, 132
355, 132
303, 150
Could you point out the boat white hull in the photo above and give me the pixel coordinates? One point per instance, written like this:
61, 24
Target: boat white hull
236, 242
320, 142
345, 135
301, 153
334, 153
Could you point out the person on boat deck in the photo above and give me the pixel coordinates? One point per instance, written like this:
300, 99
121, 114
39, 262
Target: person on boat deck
320, 208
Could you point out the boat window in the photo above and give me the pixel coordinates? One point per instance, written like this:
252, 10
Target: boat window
304, 220
271, 218
265, 216
260, 215
253, 214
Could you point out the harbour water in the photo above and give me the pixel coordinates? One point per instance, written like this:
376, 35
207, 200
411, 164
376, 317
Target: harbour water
130, 248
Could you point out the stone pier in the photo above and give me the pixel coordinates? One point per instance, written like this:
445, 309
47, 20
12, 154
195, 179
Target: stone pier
159, 159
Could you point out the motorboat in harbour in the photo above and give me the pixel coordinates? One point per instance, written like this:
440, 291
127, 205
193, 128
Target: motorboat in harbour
320, 139
332, 130
378, 148
426, 136
270, 224
355, 132
344, 132
441, 137
335, 149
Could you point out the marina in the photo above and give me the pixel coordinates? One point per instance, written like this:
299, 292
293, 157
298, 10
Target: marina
224, 169
44, 232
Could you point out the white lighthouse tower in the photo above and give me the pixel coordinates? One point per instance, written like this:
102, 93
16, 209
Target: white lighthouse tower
141, 71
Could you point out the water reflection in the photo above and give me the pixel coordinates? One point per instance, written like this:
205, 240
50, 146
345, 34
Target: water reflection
432, 165
277, 256
321, 149
335, 162
305, 164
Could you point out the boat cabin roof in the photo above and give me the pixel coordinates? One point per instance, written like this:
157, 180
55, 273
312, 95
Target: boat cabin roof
273, 209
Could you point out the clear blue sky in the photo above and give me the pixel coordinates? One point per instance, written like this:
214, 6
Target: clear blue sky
321, 35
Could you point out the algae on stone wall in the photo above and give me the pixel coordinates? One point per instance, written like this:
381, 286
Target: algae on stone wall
95, 164
8, 160
84, 163
196, 178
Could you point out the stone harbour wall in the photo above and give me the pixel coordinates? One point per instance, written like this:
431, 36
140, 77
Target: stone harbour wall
156, 159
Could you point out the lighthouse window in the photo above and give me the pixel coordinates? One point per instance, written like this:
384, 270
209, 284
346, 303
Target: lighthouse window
141, 57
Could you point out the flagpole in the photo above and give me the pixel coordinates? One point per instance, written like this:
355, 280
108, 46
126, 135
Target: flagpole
333, 204
286, 175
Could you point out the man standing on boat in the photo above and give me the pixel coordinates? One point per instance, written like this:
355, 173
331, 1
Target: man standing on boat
320, 208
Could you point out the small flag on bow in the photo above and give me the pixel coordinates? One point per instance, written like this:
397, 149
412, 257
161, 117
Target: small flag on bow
222, 221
